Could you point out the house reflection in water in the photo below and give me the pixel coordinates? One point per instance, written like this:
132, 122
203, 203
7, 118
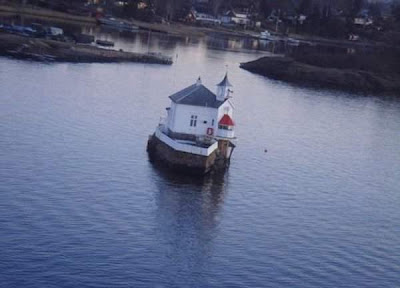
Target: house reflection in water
187, 223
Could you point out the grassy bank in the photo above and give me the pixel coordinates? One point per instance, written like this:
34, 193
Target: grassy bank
38, 12
177, 29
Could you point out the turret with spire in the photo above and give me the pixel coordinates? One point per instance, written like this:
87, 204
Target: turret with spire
223, 89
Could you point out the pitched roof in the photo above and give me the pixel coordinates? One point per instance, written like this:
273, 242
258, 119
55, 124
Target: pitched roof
225, 81
226, 120
196, 95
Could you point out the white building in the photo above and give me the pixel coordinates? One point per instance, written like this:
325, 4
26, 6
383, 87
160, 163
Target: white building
205, 19
240, 19
363, 21
196, 111
199, 121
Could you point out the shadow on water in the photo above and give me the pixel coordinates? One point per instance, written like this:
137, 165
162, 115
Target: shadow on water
188, 212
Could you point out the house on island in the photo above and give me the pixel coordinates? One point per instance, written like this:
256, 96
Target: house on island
198, 132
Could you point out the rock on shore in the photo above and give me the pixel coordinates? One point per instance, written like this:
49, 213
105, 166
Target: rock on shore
287, 69
43, 49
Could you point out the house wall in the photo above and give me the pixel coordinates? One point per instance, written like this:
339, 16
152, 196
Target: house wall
180, 117
226, 108
241, 21
226, 19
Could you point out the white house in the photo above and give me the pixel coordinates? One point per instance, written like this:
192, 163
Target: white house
198, 134
200, 122
206, 19
240, 19
363, 21
202, 18
197, 112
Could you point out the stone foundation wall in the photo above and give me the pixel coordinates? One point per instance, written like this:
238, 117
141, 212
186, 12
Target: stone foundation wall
159, 151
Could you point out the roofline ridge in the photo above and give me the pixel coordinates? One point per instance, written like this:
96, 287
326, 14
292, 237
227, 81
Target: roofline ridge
187, 94
184, 96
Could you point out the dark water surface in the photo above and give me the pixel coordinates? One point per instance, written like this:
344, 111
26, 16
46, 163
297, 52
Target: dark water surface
81, 206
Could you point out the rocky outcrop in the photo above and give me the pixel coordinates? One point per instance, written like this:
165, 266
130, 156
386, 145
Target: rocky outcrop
49, 50
287, 69
187, 163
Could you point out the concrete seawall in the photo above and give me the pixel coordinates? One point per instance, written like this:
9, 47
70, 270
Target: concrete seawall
182, 161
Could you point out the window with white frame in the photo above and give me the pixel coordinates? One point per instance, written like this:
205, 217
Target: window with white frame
193, 121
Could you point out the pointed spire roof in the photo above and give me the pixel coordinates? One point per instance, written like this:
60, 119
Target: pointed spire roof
226, 120
225, 81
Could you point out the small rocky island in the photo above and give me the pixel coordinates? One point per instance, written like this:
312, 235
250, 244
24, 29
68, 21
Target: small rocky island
42, 49
197, 136
321, 74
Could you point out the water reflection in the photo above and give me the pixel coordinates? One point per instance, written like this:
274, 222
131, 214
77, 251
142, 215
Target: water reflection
144, 41
187, 217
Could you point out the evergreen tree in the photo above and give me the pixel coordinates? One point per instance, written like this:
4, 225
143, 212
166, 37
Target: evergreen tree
304, 7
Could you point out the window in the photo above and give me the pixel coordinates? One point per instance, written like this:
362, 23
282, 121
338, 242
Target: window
224, 127
193, 121
212, 122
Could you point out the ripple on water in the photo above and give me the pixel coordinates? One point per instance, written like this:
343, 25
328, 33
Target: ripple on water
81, 205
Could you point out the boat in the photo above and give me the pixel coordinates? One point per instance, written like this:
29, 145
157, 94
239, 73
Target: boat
266, 35
105, 43
118, 24
83, 38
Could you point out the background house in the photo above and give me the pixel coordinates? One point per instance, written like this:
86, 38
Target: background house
232, 17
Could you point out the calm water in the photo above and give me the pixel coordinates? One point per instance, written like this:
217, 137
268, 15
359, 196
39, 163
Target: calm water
81, 206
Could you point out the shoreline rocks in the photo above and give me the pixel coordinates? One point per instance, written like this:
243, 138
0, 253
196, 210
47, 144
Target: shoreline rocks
289, 70
49, 50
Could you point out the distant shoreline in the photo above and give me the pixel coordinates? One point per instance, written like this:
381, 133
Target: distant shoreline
55, 51
176, 29
291, 71
38, 12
